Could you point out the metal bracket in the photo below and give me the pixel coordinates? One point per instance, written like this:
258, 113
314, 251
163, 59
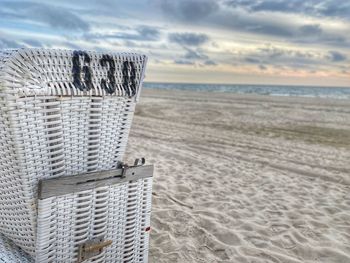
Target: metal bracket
125, 167
139, 162
92, 248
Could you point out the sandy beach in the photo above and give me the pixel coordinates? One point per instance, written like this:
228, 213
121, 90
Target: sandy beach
246, 178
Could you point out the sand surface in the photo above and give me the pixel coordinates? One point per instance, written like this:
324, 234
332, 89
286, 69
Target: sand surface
244, 178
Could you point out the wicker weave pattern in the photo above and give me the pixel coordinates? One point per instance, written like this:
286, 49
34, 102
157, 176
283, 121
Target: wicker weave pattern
10, 253
119, 213
50, 127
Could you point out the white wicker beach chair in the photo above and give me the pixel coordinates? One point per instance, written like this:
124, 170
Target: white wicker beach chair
67, 114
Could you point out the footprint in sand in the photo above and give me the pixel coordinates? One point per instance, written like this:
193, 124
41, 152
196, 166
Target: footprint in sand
279, 228
257, 241
307, 232
287, 242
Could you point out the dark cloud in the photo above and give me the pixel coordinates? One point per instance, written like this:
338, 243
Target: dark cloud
242, 17
210, 62
219, 16
334, 40
53, 16
312, 30
273, 52
334, 8
188, 39
283, 59
262, 67
189, 10
313, 33
336, 56
148, 33
141, 33
195, 55
239, 20
252, 60
285, 6
267, 5
278, 57
268, 29
183, 62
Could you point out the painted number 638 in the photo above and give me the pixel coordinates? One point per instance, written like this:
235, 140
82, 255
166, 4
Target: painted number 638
109, 84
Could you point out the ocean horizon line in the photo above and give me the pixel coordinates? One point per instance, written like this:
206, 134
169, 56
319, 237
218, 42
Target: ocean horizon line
271, 90
246, 84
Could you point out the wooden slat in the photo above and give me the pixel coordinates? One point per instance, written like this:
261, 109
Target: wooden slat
77, 183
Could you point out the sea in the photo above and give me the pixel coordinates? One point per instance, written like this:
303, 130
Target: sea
272, 90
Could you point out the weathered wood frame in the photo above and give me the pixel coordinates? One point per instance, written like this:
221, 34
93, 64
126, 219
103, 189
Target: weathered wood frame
81, 182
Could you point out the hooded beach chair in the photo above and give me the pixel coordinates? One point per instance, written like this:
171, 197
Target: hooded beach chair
65, 195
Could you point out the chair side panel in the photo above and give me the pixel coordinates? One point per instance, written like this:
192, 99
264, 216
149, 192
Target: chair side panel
118, 213
51, 136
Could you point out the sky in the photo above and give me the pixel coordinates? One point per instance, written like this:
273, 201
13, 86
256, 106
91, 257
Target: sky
290, 42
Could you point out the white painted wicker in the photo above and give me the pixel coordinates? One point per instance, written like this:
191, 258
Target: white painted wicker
64, 113
119, 213
10, 253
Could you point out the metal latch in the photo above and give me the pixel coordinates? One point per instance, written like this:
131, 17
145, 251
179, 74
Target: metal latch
125, 167
92, 248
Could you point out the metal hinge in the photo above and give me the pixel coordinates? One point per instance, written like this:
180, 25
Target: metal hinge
92, 248
125, 167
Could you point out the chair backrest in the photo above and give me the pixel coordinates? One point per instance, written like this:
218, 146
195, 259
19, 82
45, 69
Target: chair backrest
61, 113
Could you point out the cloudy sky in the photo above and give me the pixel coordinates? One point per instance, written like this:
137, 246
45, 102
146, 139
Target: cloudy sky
298, 42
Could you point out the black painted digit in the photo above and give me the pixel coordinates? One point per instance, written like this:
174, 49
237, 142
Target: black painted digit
129, 75
109, 87
76, 70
